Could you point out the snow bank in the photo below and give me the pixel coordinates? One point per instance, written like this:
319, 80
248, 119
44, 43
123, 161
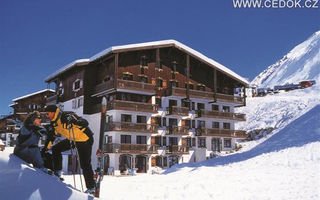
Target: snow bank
20, 181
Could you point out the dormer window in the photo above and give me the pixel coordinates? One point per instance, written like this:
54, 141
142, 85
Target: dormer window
77, 85
127, 76
143, 78
173, 83
201, 87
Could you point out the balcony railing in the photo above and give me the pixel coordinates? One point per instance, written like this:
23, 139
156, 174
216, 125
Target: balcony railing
220, 132
136, 86
132, 127
174, 110
52, 100
132, 106
175, 149
223, 115
174, 91
178, 130
130, 148
125, 85
103, 87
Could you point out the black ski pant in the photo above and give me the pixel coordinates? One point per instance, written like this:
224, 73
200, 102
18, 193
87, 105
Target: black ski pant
84, 150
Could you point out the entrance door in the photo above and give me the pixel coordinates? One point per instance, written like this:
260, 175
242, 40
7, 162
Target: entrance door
141, 164
216, 144
125, 162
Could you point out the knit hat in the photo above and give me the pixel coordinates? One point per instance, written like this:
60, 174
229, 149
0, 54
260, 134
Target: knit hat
51, 108
35, 115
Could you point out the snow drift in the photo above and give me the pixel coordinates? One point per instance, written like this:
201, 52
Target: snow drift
19, 181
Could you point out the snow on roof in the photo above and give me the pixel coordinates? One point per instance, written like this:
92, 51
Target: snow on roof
67, 67
29, 95
11, 105
151, 44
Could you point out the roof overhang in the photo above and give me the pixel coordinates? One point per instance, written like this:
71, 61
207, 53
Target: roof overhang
150, 45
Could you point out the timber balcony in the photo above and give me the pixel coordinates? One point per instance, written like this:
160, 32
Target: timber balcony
220, 132
130, 148
174, 110
132, 106
177, 130
132, 127
221, 115
52, 100
126, 85
176, 149
175, 91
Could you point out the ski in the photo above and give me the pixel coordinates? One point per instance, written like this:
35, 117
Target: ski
100, 157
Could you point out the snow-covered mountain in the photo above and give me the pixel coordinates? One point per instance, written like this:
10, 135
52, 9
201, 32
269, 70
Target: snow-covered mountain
301, 63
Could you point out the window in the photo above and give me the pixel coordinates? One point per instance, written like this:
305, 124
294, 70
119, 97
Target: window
190, 86
226, 125
215, 125
158, 140
141, 119
173, 122
173, 83
215, 107
125, 139
226, 108
126, 118
77, 103
201, 87
173, 141
164, 121
77, 85
127, 76
188, 142
142, 79
201, 124
109, 139
172, 102
202, 142
227, 143
200, 106
141, 139
159, 83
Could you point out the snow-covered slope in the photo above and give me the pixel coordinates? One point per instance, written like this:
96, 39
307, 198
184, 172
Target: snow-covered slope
301, 63
19, 181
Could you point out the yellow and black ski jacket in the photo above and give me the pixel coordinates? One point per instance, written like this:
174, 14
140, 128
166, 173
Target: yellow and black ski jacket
60, 124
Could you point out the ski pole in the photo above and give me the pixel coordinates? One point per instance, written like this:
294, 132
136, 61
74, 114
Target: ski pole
78, 159
72, 162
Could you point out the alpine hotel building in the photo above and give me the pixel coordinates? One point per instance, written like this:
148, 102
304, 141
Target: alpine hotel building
167, 104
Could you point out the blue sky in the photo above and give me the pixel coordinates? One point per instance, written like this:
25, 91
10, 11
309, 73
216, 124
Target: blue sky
38, 37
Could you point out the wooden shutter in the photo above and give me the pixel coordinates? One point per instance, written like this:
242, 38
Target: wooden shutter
153, 140
153, 120
183, 122
184, 142
153, 161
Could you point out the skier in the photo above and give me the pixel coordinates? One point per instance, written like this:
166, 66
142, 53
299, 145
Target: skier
63, 122
27, 141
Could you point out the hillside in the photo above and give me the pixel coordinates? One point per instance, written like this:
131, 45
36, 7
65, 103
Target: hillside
301, 63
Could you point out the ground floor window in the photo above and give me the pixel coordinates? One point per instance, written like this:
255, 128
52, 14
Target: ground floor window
173, 160
202, 142
227, 143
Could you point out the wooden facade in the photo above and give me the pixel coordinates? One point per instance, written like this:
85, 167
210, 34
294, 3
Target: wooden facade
135, 80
